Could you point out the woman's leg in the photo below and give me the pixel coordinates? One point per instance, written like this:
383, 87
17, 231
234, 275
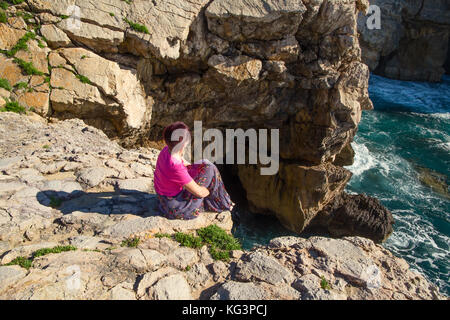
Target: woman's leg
208, 176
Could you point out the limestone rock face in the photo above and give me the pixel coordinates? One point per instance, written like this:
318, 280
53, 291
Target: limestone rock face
130, 69
412, 43
240, 20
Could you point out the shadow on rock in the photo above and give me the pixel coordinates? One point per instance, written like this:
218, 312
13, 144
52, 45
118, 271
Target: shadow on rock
123, 202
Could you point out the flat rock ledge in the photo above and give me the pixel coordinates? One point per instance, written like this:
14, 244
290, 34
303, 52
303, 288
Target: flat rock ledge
67, 184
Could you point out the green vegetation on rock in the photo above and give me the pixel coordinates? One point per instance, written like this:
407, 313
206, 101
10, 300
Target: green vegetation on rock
57, 249
4, 83
27, 262
324, 283
131, 242
219, 241
21, 44
13, 106
21, 85
188, 240
83, 79
21, 261
3, 17
16, 1
137, 27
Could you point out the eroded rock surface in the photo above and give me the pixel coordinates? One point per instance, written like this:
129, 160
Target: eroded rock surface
412, 42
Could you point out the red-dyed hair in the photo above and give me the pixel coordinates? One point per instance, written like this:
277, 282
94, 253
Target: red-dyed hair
168, 131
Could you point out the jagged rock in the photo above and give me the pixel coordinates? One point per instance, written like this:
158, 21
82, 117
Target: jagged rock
312, 186
239, 68
198, 276
9, 36
181, 258
89, 243
412, 43
109, 87
142, 260
94, 176
172, 287
232, 290
239, 20
9, 275
263, 268
123, 291
356, 215
135, 185
55, 37
310, 287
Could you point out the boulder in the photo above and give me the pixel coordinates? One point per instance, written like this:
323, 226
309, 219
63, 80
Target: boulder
260, 267
232, 290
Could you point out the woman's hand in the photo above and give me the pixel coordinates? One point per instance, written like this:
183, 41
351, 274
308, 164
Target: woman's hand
185, 162
196, 190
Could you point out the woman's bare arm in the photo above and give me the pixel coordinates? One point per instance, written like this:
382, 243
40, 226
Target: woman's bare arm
196, 190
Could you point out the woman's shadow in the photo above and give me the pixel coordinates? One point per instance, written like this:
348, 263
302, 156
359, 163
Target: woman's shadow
114, 202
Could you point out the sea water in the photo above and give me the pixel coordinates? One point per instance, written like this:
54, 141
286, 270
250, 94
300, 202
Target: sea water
405, 139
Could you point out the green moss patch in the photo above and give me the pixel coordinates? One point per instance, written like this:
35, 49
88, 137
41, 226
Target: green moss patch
136, 26
28, 262
131, 242
57, 249
13, 106
21, 261
324, 283
4, 83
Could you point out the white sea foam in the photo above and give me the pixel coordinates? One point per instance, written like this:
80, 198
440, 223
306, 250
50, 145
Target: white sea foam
363, 159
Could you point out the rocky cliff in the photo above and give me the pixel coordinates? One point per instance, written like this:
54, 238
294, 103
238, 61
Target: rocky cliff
131, 67
412, 42
79, 220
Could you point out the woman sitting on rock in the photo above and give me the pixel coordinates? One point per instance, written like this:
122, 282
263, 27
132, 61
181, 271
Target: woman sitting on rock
185, 190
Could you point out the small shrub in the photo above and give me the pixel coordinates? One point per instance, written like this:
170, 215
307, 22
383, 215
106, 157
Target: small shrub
13, 106
16, 1
187, 240
163, 235
83, 79
28, 67
3, 17
4, 5
21, 85
64, 17
46, 146
131, 242
324, 284
187, 268
219, 238
136, 26
4, 83
218, 254
221, 243
111, 14
21, 261
57, 249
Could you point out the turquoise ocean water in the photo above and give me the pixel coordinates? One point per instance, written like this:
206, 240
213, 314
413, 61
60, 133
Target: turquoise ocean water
404, 139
